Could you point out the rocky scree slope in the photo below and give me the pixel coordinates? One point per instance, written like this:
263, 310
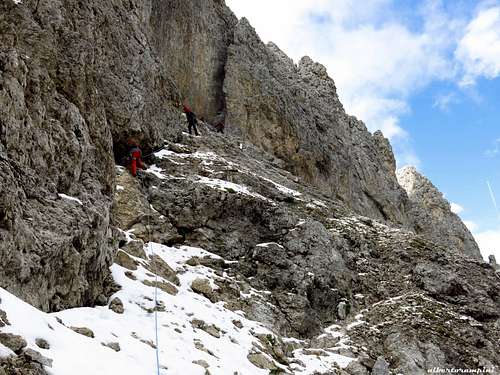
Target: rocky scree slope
289, 281
77, 79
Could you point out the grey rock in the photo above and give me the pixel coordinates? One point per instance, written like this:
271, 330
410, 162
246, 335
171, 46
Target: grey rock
84, 331
432, 214
159, 267
210, 329
356, 368
166, 286
493, 263
261, 361
42, 343
113, 345
135, 248
15, 343
124, 260
116, 305
202, 363
238, 324
203, 287
3, 319
342, 310
381, 367
35, 356
129, 203
22, 365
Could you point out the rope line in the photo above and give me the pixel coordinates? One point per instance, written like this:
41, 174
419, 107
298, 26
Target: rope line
153, 254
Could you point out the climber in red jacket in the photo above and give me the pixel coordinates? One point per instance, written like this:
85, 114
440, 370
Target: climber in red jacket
135, 157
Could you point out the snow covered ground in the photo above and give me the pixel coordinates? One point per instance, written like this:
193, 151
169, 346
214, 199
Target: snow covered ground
125, 343
180, 344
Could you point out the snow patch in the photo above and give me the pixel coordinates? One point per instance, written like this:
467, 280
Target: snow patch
158, 172
267, 244
64, 196
225, 185
5, 352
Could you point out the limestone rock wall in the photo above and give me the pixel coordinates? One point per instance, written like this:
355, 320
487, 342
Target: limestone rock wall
76, 78
294, 113
192, 38
432, 214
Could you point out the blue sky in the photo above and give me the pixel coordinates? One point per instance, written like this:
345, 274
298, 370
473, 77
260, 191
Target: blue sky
427, 73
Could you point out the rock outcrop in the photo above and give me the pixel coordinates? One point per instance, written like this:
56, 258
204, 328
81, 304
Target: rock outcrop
293, 112
75, 81
294, 219
432, 214
191, 39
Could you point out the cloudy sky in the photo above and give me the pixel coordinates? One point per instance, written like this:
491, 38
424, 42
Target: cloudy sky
425, 72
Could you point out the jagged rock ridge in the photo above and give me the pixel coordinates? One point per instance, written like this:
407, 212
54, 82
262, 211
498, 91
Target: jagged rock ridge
432, 214
279, 198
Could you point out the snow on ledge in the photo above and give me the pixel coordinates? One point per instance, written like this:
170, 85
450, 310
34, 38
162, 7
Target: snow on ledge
224, 185
64, 196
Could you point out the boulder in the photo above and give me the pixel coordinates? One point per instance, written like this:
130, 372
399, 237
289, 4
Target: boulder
15, 343
42, 343
203, 287
124, 260
116, 305
84, 331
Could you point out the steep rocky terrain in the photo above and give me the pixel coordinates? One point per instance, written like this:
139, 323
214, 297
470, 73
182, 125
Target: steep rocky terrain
294, 113
294, 221
431, 210
258, 273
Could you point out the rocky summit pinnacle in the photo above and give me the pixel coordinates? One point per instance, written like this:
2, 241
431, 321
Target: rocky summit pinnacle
432, 214
288, 244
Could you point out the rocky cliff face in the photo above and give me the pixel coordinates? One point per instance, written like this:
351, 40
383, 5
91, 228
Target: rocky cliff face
299, 198
76, 79
432, 214
293, 112
191, 39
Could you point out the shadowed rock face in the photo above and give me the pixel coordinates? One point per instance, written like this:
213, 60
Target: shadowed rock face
192, 38
74, 79
294, 113
320, 221
77, 79
432, 215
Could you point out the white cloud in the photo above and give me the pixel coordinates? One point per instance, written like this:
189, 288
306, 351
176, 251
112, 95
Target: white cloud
479, 49
493, 152
489, 243
456, 208
377, 62
472, 226
444, 101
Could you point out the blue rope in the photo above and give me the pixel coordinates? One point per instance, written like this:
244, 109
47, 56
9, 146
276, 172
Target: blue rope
157, 351
156, 326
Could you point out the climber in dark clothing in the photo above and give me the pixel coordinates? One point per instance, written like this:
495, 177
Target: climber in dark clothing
220, 121
191, 118
220, 127
135, 157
